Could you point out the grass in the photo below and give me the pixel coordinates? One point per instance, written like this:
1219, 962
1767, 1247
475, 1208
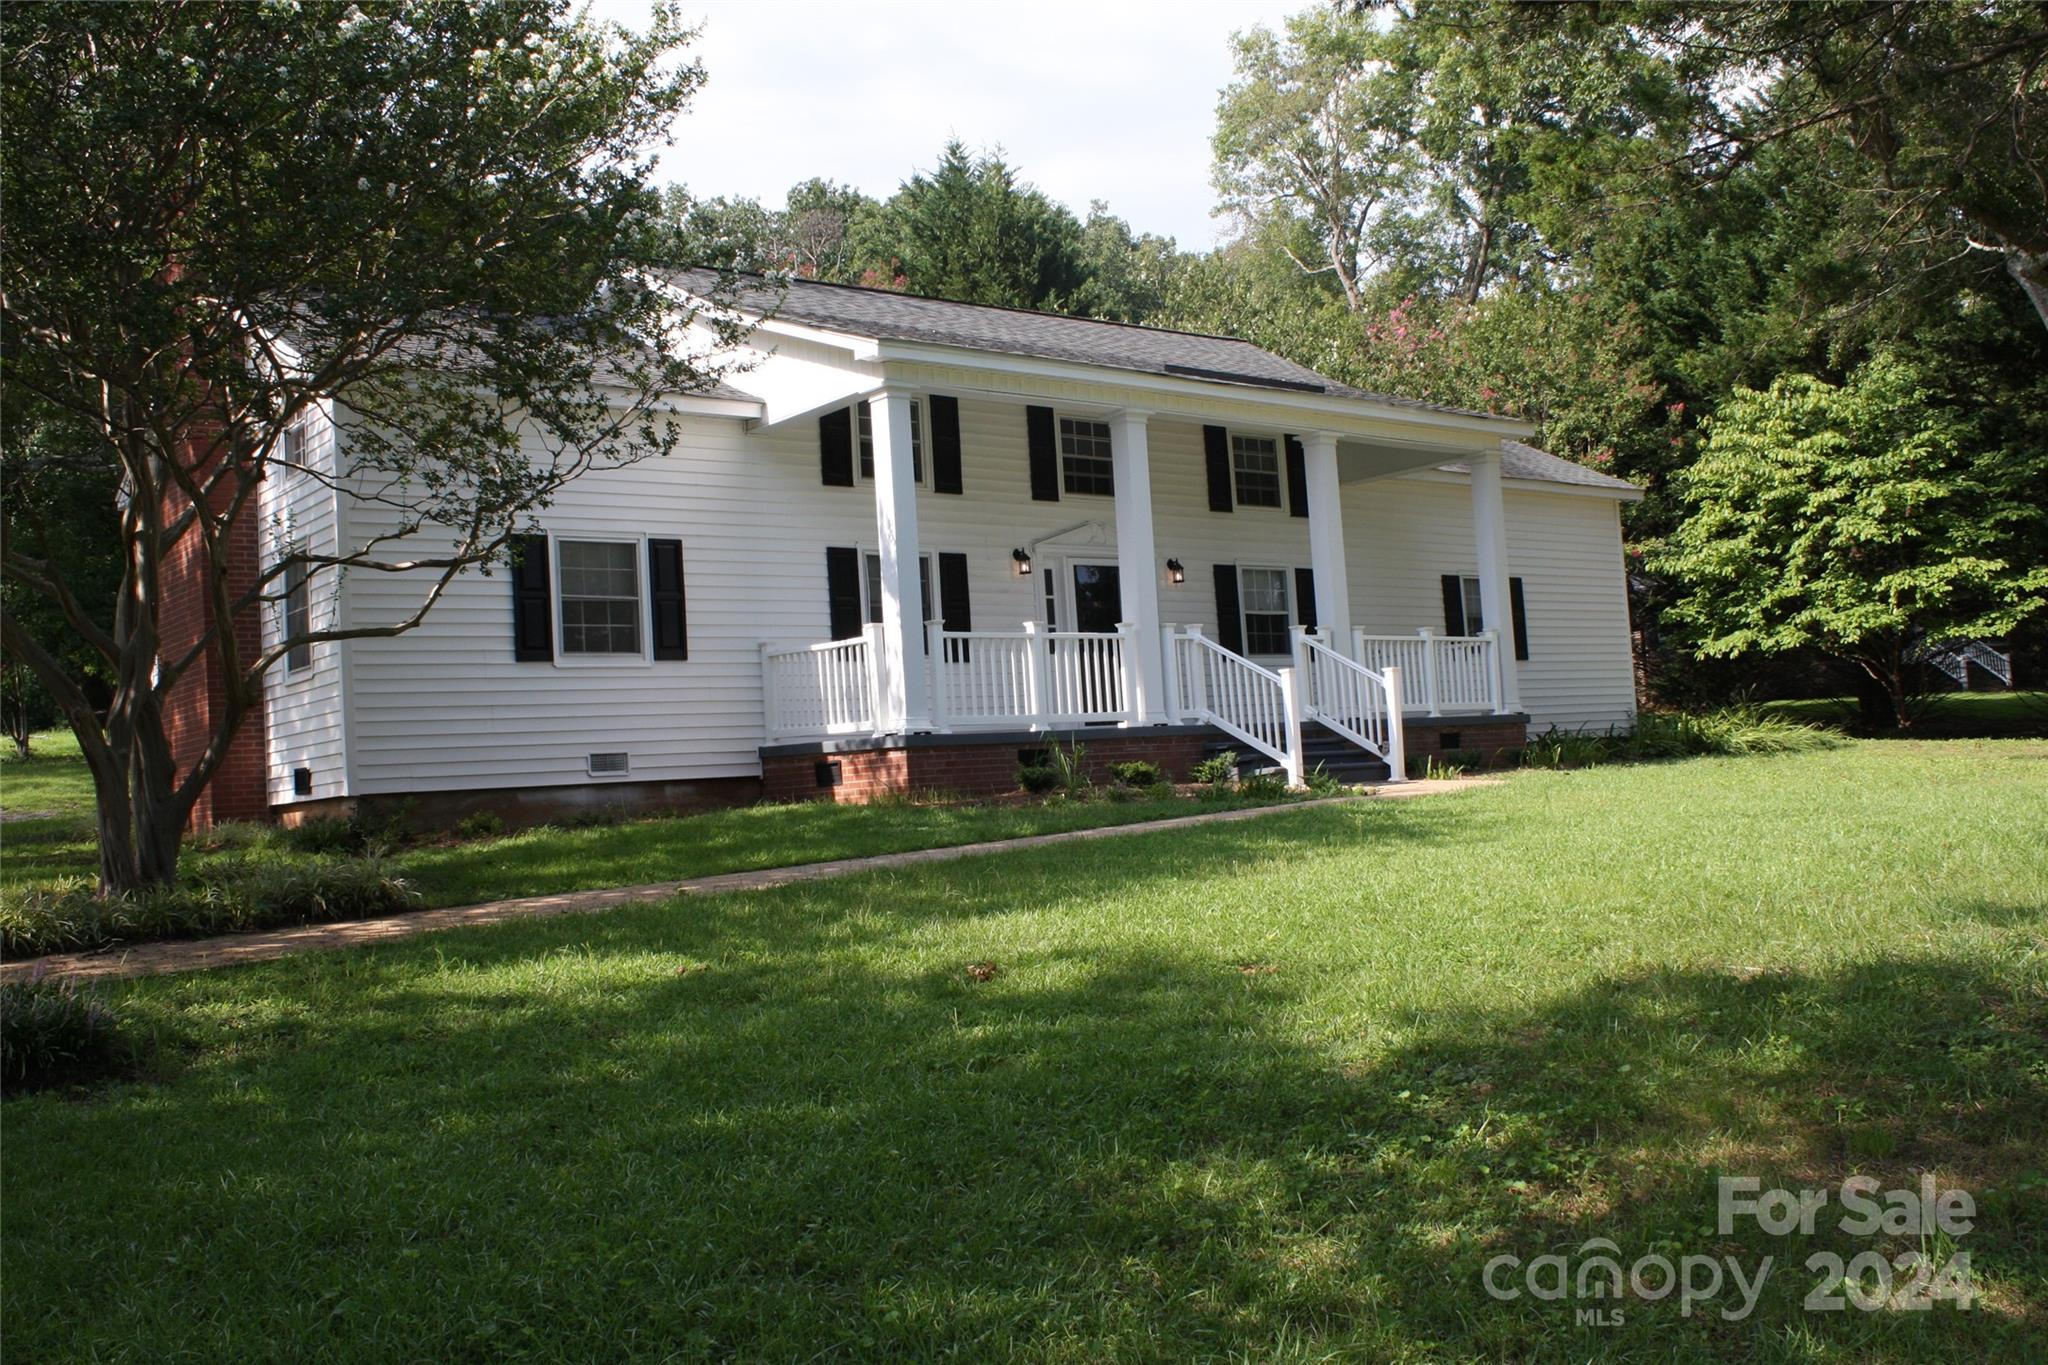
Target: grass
59, 843
1952, 714
1273, 1089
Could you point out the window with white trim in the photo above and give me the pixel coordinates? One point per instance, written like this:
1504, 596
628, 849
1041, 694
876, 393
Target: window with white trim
1468, 600
1085, 462
1262, 600
1255, 469
867, 442
872, 587
599, 600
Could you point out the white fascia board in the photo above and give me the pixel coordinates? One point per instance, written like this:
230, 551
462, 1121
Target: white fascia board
861, 348
1338, 412
1572, 490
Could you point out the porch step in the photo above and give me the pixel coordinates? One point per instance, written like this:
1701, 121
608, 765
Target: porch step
1337, 756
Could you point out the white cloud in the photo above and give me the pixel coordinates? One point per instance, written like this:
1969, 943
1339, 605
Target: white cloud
1090, 99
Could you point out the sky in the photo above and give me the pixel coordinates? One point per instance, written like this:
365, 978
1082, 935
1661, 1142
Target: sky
1088, 99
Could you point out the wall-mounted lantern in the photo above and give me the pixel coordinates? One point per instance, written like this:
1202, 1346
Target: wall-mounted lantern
1174, 572
1023, 559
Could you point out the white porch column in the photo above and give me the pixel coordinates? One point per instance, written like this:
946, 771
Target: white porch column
1326, 540
1490, 544
1137, 563
905, 694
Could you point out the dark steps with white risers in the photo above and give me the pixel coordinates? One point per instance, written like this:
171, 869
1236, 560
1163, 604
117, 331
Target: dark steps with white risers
1337, 756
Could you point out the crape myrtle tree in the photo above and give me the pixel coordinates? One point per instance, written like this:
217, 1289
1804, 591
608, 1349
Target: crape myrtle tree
223, 218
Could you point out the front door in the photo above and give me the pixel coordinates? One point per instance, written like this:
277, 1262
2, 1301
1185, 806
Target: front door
1098, 606
1098, 600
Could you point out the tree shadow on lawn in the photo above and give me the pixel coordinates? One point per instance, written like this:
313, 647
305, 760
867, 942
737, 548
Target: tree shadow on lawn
775, 1128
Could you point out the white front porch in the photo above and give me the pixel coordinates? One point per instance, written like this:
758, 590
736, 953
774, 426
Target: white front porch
1034, 679
1127, 665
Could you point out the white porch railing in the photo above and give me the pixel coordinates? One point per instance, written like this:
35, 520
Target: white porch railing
823, 689
1209, 684
994, 679
1358, 703
1442, 672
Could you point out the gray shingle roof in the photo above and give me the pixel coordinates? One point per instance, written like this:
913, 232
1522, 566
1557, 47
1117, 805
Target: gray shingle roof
885, 315
1518, 461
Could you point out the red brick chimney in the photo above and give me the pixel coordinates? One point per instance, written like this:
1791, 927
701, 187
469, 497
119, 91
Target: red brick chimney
191, 713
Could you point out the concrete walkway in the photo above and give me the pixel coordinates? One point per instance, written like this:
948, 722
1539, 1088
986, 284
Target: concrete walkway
191, 955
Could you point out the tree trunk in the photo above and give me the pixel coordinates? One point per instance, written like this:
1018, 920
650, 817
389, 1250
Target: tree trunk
2032, 274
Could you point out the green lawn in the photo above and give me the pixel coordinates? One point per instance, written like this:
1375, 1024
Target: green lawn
1952, 715
54, 787
1271, 1089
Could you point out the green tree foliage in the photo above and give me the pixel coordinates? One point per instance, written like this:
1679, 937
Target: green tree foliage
221, 216
968, 230
1869, 519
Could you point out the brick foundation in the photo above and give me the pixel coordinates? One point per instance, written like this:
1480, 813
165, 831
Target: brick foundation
953, 765
1489, 737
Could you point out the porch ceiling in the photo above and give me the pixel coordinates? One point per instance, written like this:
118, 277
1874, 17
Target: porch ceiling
1360, 461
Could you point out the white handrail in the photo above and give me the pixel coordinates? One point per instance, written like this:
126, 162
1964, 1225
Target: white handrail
821, 689
1355, 702
1035, 677
1252, 704
1445, 672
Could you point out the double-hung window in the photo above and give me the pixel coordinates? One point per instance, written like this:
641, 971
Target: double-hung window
600, 596
1262, 597
1255, 468
867, 442
1468, 593
1084, 456
873, 585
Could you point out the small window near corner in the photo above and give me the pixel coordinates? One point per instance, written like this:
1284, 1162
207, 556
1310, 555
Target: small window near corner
600, 605
1475, 619
1255, 469
298, 618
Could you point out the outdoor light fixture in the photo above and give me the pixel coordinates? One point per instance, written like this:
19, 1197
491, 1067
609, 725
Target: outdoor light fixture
1023, 558
1174, 572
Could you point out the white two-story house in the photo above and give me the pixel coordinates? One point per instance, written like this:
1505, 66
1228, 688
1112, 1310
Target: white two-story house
923, 540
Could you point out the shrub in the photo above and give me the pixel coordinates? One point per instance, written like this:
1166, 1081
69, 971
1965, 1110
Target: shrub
1556, 748
1262, 787
1435, 767
364, 831
1069, 764
222, 898
52, 1033
597, 817
1322, 783
483, 824
1039, 778
1138, 773
1217, 770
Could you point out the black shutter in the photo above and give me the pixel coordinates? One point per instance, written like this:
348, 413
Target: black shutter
533, 626
835, 447
1305, 598
1521, 618
1454, 605
945, 434
665, 592
842, 590
1297, 479
1229, 621
1216, 447
954, 610
1045, 455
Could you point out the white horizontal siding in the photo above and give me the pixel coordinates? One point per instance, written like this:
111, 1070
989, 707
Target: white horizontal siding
446, 707
302, 709
1402, 535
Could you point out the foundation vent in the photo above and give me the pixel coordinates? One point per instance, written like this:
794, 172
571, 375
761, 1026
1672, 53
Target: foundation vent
609, 765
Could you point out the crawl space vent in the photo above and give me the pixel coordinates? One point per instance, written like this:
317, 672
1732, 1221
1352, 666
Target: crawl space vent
608, 765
